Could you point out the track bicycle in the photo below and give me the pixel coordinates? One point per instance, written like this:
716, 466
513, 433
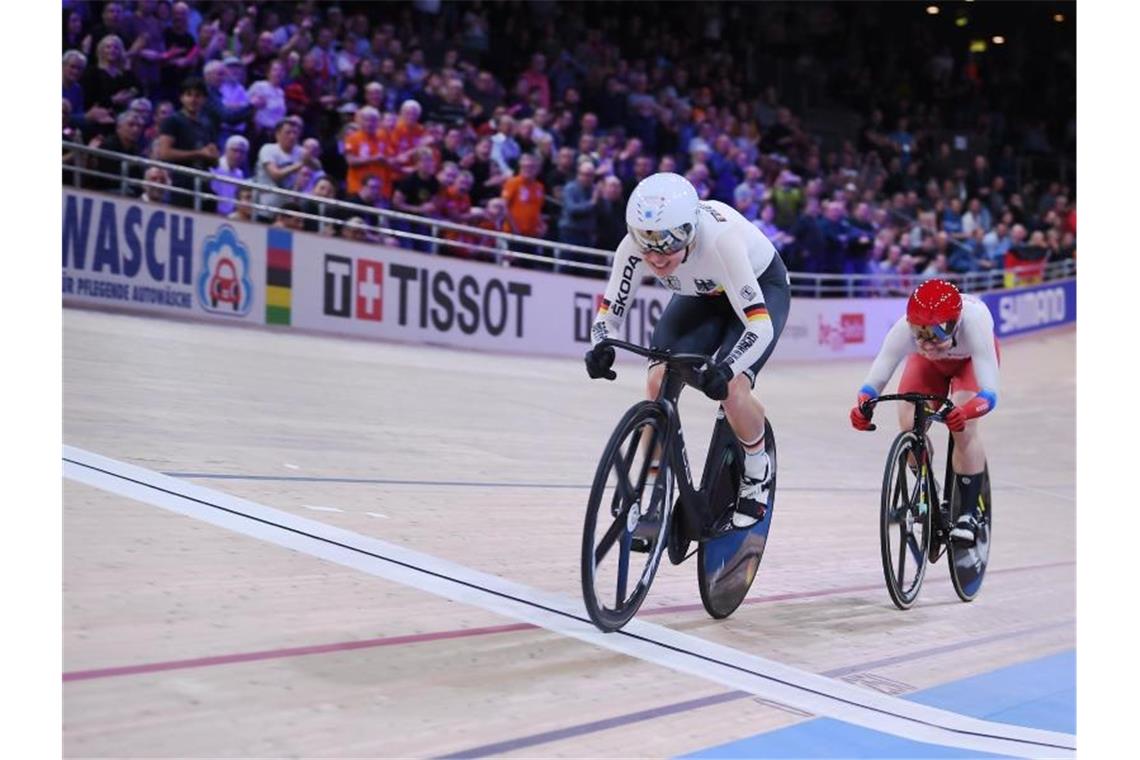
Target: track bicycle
642, 506
911, 533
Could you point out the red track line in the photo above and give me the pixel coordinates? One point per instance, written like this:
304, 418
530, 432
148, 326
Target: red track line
417, 638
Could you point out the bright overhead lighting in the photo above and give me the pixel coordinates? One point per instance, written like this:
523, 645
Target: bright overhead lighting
961, 21
978, 46
1058, 17
998, 39
932, 10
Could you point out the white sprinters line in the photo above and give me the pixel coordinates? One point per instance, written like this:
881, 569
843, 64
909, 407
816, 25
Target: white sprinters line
652, 643
376, 514
291, 466
321, 509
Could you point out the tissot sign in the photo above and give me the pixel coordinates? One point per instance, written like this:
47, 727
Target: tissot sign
346, 286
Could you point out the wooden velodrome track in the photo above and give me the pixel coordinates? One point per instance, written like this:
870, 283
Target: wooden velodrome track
182, 638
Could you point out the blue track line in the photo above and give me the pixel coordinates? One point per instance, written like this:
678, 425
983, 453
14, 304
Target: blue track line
1036, 694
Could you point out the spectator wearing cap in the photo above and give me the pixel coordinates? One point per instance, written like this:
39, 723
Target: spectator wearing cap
187, 137
232, 165
233, 87
272, 96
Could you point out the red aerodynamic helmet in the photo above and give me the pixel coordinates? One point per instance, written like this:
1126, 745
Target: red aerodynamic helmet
933, 311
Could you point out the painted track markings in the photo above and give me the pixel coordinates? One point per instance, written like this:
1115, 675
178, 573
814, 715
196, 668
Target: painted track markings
651, 643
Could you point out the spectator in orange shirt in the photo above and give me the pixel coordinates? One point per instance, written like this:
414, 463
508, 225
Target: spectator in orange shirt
455, 206
494, 217
366, 151
405, 137
524, 195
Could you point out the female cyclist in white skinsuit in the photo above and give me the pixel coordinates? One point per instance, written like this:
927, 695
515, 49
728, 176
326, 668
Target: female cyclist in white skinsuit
732, 299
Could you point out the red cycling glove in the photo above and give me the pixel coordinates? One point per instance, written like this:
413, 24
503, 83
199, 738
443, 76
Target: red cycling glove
859, 421
957, 417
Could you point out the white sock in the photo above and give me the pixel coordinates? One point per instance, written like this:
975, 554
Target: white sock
756, 464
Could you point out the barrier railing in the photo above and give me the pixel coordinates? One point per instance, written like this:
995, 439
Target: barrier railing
86, 169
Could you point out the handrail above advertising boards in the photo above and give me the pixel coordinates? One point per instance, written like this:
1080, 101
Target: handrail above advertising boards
505, 246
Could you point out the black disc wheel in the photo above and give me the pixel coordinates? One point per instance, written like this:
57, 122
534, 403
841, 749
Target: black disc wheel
968, 561
627, 519
905, 524
727, 563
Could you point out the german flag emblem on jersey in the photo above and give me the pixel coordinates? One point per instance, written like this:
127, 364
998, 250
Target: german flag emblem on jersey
756, 312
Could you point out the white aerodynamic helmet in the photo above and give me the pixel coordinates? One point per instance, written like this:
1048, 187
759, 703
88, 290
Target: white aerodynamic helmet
662, 213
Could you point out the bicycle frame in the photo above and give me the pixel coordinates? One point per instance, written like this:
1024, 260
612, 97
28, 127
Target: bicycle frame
679, 372
923, 418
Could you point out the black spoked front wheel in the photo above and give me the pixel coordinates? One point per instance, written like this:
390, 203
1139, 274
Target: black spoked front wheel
905, 524
627, 519
968, 561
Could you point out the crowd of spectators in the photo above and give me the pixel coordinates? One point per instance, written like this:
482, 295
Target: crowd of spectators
539, 118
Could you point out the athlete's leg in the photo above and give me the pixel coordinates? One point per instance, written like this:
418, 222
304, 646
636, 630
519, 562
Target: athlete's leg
743, 409
969, 460
969, 453
688, 324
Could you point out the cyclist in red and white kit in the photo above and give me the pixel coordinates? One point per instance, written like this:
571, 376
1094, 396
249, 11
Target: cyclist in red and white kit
731, 301
948, 342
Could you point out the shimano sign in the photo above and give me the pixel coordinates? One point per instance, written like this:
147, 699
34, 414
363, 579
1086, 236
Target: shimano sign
1035, 308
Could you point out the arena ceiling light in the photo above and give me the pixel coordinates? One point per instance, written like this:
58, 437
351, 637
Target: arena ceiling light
1059, 17
933, 10
998, 39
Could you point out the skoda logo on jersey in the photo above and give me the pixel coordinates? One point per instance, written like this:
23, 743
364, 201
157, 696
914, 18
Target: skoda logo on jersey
747, 292
672, 282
